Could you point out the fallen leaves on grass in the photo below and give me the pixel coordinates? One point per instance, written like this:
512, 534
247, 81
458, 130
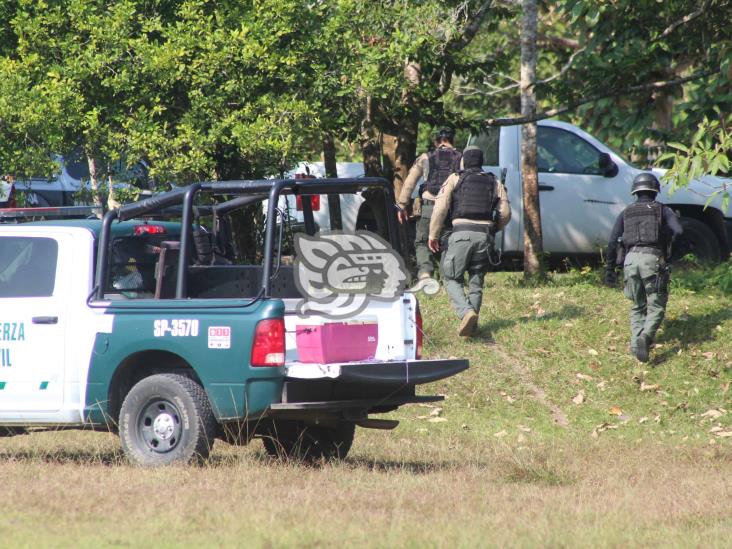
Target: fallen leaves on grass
579, 398
616, 411
604, 426
584, 377
714, 413
649, 386
592, 352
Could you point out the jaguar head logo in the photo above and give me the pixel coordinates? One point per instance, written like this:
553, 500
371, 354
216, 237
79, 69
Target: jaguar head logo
338, 273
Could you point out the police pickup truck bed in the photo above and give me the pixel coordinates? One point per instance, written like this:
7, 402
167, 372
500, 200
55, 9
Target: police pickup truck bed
104, 326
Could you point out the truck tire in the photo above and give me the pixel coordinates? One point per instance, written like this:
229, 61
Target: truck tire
165, 419
698, 239
309, 443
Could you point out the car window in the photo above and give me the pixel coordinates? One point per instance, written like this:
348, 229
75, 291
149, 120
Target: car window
134, 263
560, 151
27, 266
488, 141
78, 167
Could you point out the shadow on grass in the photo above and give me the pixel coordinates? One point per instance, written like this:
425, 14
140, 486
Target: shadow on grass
694, 328
66, 456
413, 467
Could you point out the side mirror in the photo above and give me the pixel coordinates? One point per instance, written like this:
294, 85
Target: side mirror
608, 167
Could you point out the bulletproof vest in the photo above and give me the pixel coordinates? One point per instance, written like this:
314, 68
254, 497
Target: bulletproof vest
642, 225
474, 196
443, 162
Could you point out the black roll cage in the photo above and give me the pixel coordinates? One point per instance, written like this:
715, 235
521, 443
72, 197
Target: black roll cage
181, 201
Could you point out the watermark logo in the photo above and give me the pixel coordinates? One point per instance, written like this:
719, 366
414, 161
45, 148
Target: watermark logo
340, 273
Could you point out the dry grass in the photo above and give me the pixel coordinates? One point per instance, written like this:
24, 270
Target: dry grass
498, 472
449, 492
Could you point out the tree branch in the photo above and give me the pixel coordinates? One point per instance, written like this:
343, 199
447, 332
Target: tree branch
558, 42
470, 30
515, 85
683, 21
492, 122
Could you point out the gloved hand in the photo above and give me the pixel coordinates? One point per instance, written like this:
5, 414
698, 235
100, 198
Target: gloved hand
611, 278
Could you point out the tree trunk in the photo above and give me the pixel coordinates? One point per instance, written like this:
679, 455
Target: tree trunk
97, 198
329, 155
399, 152
331, 170
112, 202
533, 246
371, 149
370, 144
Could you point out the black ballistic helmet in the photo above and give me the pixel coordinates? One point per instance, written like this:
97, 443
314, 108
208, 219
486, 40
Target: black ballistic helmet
472, 157
645, 181
445, 133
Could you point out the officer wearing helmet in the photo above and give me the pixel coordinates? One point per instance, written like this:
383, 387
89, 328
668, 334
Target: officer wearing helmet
643, 234
477, 206
433, 167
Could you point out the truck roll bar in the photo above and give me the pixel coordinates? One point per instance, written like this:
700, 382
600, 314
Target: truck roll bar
249, 191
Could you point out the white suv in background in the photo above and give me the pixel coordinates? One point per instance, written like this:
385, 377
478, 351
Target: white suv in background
62, 188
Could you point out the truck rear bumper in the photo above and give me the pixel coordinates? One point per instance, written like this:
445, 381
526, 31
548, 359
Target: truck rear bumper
404, 372
373, 387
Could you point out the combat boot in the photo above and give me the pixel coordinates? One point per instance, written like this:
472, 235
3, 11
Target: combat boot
468, 324
642, 348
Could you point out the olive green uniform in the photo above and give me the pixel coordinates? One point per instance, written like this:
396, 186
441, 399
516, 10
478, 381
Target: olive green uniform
420, 169
645, 272
468, 247
646, 278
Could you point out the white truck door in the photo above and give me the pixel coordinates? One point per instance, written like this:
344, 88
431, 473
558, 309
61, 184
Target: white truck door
34, 284
579, 204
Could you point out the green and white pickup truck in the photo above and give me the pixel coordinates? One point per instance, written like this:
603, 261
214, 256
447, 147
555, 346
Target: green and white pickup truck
104, 326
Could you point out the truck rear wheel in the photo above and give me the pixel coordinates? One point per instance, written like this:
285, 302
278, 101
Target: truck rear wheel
298, 440
698, 239
165, 419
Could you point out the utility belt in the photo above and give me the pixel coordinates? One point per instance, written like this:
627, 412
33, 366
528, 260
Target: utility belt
647, 250
475, 227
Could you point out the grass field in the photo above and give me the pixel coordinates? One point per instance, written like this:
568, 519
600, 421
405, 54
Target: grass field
555, 437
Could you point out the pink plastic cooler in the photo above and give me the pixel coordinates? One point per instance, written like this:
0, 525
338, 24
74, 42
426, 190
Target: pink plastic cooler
337, 341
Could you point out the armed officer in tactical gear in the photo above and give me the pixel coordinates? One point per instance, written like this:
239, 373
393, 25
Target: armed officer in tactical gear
434, 167
643, 233
477, 205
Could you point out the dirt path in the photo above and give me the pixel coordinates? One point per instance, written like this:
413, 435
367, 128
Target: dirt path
559, 417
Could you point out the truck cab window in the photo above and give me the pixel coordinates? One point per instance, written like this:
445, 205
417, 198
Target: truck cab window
559, 151
27, 266
488, 141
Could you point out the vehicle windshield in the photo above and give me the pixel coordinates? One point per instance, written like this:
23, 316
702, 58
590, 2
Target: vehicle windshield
624, 158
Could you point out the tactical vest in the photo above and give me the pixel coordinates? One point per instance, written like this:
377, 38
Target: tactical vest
642, 222
442, 162
474, 196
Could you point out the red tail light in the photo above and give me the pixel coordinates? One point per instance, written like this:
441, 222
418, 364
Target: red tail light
418, 351
268, 348
314, 202
149, 229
